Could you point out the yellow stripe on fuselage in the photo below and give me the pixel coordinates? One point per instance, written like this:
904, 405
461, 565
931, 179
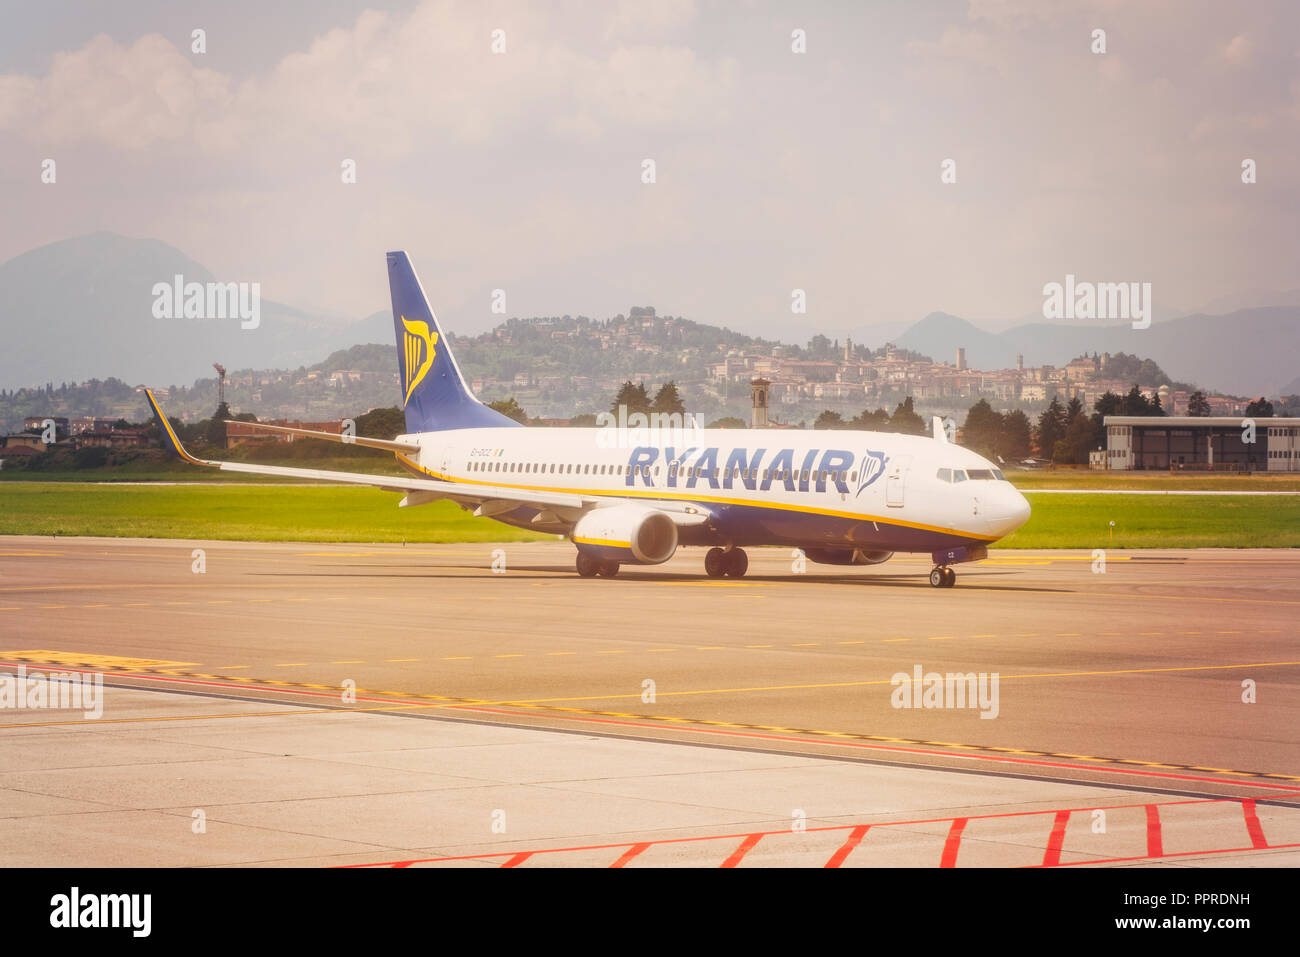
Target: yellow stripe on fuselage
687, 497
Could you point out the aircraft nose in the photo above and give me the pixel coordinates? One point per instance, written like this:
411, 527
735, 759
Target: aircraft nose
1007, 512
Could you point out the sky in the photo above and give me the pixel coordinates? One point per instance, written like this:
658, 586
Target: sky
775, 170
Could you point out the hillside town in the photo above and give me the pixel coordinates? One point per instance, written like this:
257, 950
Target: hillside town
804, 381
562, 370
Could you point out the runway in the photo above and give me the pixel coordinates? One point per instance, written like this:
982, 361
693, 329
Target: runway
626, 716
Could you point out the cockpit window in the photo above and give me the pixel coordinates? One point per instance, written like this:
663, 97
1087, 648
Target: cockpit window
977, 475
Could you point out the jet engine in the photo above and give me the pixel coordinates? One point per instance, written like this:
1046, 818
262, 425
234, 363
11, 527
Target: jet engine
626, 533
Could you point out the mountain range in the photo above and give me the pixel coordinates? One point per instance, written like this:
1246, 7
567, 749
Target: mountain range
82, 308
1246, 352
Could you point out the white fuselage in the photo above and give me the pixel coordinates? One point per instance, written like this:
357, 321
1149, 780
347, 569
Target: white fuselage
762, 486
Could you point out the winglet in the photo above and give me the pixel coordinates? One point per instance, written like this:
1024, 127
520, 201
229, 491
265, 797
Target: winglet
940, 432
169, 439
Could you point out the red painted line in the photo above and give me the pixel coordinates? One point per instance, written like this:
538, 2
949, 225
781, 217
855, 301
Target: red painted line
1217, 850
518, 859
836, 827
951, 845
630, 853
855, 838
1155, 847
1052, 856
401, 864
745, 847
1253, 826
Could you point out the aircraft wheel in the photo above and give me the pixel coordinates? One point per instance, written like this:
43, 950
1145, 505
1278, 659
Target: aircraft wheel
949, 578
608, 569
937, 577
715, 563
587, 566
737, 562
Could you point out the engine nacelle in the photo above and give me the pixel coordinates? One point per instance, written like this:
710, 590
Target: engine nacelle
626, 533
846, 556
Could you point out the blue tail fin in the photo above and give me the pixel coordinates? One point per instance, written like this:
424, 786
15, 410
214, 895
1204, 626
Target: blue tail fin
434, 395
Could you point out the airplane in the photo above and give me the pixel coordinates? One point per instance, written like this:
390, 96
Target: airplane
840, 497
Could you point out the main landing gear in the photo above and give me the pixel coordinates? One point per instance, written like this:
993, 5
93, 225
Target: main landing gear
941, 576
719, 562
589, 567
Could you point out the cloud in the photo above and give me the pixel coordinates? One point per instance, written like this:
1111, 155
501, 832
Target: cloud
1238, 51
392, 83
819, 171
640, 18
129, 98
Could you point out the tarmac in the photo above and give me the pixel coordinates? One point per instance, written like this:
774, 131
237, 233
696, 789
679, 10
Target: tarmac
480, 705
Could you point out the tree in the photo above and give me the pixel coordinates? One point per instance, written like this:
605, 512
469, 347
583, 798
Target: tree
1051, 428
634, 397
1078, 441
667, 400
819, 347
1017, 436
216, 433
1261, 408
1198, 405
905, 419
1107, 404
1135, 403
830, 420
510, 409
385, 423
868, 421
1073, 410
982, 430
726, 422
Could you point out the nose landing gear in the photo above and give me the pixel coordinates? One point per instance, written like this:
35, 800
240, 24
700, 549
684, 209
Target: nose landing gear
941, 576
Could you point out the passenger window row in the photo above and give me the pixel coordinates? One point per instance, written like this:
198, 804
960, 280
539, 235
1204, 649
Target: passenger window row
766, 475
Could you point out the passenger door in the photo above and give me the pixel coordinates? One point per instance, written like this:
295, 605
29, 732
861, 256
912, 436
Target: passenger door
896, 480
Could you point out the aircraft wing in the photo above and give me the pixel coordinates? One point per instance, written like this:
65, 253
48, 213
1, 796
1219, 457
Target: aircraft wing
489, 499
387, 445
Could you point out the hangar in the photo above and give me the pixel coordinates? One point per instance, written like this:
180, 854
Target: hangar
1224, 442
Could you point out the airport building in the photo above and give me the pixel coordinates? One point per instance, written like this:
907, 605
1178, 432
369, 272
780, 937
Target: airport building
1204, 443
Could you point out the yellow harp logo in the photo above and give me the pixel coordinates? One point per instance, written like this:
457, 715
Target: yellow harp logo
417, 354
